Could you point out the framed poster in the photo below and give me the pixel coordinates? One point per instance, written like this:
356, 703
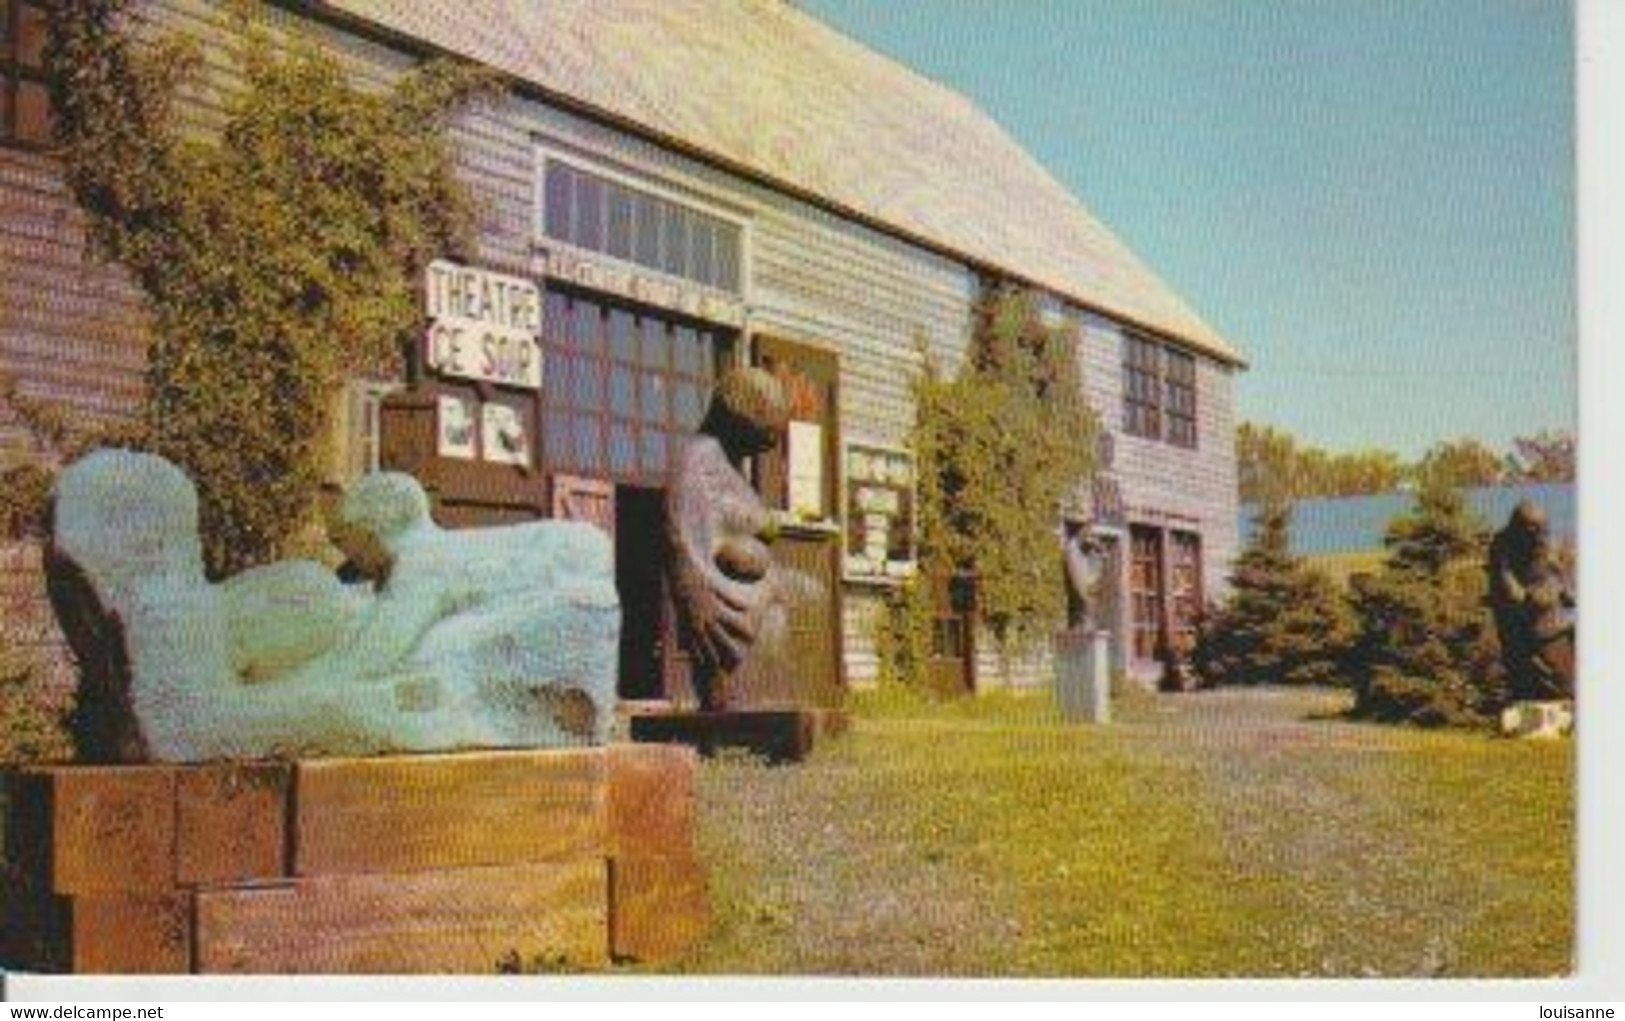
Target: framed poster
454, 427
503, 436
879, 498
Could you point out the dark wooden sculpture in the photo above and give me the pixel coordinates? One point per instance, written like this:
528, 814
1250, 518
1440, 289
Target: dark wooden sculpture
1529, 597
722, 572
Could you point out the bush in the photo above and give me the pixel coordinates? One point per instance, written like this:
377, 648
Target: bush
1001, 447
1284, 623
1426, 651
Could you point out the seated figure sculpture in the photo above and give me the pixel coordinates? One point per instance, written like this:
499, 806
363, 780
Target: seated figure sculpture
730, 595
1529, 599
485, 638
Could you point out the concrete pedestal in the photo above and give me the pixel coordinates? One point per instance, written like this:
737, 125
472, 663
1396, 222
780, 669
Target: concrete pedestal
1083, 676
472, 863
1538, 719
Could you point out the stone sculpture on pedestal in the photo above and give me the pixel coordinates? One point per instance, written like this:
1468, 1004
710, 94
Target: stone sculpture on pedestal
485, 638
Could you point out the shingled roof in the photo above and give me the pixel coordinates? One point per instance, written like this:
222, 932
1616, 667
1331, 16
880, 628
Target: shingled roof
769, 90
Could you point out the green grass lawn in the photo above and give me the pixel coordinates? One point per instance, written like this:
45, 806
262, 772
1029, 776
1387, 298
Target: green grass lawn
1235, 833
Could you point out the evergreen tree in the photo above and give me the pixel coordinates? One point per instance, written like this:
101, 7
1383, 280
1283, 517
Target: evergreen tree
1426, 650
1284, 623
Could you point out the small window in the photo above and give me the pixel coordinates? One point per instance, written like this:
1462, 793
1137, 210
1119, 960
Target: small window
25, 99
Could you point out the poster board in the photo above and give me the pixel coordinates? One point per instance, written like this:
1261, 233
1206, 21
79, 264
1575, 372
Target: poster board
879, 502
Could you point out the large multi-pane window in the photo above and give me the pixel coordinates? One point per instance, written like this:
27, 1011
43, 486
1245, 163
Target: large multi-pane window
600, 214
1142, 387
623, 387
25, 101
1179, 391
1159, 391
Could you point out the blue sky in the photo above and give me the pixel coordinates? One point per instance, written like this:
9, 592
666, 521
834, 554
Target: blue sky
1373, 198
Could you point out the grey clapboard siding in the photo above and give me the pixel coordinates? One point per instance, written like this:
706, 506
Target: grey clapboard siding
813, 276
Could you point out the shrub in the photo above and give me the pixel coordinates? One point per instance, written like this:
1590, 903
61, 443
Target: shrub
1426, 651
1284, 622
1001, 446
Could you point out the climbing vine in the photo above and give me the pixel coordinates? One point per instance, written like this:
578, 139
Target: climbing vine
1001, 446
278, 253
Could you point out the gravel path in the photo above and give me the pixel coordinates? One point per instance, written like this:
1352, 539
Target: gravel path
1316, 816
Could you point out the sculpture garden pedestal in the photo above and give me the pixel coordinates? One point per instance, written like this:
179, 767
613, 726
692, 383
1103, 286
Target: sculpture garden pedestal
778, 735
1538, 719
1083, 675
467, 862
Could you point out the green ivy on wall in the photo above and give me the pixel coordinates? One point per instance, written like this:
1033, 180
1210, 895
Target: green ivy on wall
278, 254
1001, 446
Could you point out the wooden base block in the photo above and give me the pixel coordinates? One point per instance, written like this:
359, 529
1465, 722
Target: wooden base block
232, 823
95, 829
486, 920
651, 799
130, 935
779, 735
660, 908
459, 863
409, 813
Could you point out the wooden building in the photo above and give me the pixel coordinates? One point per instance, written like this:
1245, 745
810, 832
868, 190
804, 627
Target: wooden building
689, 184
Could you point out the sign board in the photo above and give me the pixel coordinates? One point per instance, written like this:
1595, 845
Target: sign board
634, 283
483, 326
805, 454
880, 512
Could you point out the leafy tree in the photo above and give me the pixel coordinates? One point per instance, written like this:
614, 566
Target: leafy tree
1284, 622
277, 255
1547, 456
1426, 652
1461, 463
1273, 465
1000, 446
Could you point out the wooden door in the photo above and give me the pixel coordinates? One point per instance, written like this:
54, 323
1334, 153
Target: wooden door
1145, 590
952, 669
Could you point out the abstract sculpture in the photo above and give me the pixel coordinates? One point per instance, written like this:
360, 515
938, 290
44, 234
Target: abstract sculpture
491, 638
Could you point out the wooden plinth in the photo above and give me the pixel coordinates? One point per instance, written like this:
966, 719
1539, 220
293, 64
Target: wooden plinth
779, 735
478, 862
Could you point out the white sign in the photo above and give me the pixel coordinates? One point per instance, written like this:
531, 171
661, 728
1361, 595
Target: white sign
625, 280
483, 326
502, 435
455, 428
805, 454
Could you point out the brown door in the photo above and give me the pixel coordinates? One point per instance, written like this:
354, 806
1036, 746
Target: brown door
801, 666
953, 634
1145, 589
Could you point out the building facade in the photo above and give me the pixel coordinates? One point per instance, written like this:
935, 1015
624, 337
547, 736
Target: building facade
689, 184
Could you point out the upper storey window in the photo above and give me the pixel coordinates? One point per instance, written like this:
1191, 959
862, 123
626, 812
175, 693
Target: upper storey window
1159, 391
604, 215
25, 101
